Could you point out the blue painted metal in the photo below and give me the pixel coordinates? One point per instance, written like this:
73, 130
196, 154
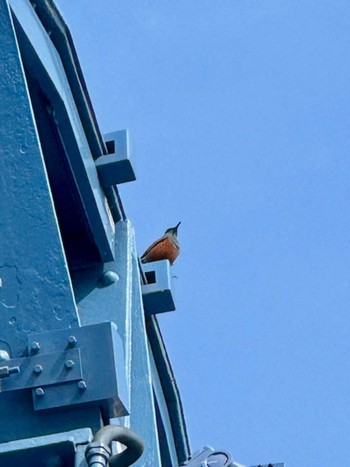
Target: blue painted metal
44, 369
61, 38
36, 292
165, 432
169, 388
61, 449
156, 293
102, 359
120, 300
69, 267
37, 49
115, 167
132, 327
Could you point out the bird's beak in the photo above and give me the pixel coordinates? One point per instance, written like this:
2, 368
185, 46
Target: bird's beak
177, 226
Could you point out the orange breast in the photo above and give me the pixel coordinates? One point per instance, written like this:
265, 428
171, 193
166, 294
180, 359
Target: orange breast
165, 249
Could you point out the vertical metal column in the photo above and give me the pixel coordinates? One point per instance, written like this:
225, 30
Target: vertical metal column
35, 288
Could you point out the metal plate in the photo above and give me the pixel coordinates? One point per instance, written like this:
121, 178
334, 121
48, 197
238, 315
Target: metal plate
103, 375
54, 370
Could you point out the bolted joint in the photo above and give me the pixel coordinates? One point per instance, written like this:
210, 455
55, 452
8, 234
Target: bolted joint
35, 347
69, 364
39, 392
72, 341
6, 371
97, 454
37, 369
82, 385
4, 355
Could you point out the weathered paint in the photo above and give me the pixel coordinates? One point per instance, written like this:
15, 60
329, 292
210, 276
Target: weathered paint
70, 445
83, 166
132, 328
36, 292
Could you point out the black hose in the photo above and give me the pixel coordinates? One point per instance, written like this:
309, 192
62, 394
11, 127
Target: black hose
104, 437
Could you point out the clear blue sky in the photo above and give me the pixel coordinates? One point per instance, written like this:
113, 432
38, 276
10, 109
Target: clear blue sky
239, 113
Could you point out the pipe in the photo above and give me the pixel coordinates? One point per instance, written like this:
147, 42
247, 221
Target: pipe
98, 451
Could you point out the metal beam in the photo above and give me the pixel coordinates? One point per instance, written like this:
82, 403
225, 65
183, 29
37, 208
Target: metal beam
35, 293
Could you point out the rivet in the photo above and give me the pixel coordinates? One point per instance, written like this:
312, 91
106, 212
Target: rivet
72, 341
69, 364
82, 385
38, 369
109, 277
35, 347
39, 392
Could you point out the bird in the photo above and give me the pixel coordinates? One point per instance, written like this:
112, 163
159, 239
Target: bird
166, 247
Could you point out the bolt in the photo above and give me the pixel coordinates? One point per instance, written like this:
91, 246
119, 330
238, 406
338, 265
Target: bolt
39, 392
4, 355
38, 369
82, 385
69, 364
35, 347
6, 371
72, 341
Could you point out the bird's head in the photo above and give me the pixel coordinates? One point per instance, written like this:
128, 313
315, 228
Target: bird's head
172, 230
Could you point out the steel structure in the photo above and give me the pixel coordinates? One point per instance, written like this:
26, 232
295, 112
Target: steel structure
82, 360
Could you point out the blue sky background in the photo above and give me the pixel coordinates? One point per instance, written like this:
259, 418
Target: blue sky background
239, 114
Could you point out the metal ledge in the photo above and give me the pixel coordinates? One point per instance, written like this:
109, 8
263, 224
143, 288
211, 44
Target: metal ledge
115, 167
156, 293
